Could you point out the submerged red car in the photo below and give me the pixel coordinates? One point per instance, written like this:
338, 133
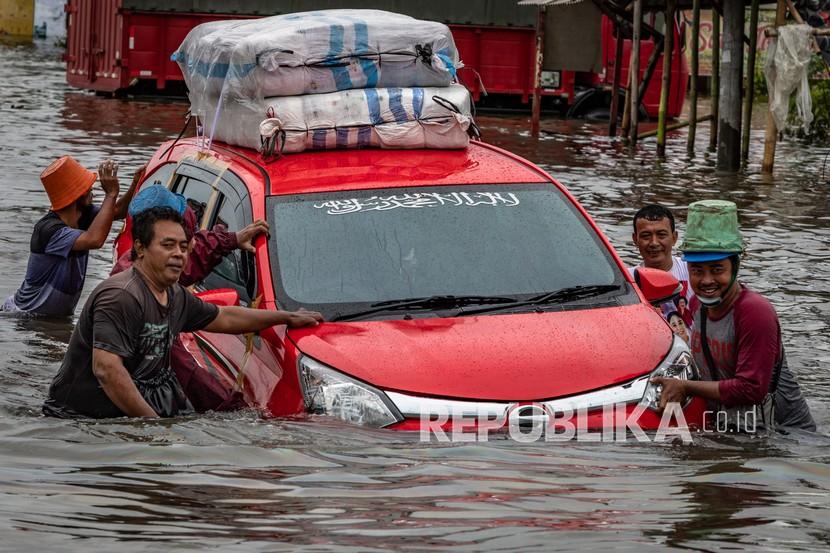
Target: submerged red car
452, 282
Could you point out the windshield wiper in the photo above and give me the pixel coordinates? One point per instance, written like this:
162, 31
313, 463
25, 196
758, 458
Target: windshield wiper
429, 302
571, 293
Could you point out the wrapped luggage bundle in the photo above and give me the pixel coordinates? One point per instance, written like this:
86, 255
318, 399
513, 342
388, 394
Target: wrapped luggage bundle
395, 118
327, 79
315, 52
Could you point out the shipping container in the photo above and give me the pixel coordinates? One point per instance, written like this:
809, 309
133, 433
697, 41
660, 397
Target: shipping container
115, 46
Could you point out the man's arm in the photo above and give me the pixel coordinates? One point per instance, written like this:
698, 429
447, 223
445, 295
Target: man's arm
210, 246
118, 385
240, 320
207, 250
94, 237
124, 201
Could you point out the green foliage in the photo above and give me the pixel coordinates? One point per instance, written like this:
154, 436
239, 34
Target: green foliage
819, 77
761, 92
820, 91
820, 94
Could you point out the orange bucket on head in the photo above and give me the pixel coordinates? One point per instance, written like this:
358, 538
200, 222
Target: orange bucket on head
66, 180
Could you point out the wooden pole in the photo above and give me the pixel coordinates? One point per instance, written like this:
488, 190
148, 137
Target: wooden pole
675, 126
641, 88
715, 85
635, 69
750, 80
651, 65
615, 96
729, 112
626, 119
690, 143
771, 133
536, 116
668, 45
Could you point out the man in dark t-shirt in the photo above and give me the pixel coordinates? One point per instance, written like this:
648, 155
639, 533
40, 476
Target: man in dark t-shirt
123, 317
61, 240
118, 359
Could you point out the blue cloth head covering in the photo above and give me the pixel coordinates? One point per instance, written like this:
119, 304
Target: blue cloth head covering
156, 196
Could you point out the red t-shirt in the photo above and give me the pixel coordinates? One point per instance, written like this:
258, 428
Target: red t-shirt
745, 345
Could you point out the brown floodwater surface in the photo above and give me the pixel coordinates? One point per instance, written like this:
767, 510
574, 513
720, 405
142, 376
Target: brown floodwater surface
237, 482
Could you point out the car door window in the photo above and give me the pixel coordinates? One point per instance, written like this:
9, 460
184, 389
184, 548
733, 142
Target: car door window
224, 201
196, 188
234, 271
161, 175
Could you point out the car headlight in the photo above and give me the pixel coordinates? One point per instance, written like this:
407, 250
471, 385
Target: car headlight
329, 392
677, 364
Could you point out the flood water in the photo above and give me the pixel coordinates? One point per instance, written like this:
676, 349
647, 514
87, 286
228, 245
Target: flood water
241, 483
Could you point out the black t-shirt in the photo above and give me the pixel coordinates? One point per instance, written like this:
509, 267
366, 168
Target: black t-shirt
55, 273
122, 316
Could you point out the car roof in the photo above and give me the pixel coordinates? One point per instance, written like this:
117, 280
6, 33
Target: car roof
342, 170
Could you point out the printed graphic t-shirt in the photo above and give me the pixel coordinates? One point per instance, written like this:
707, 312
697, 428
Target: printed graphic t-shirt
122, 316
55, 274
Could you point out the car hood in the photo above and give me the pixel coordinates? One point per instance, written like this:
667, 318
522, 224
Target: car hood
511, 357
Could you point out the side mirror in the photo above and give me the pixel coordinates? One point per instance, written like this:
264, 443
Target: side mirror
223, 297
657, 286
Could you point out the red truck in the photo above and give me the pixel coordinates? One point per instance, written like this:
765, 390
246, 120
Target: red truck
119, 45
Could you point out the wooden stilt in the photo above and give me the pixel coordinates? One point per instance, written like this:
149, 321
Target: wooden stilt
729, 112
675, 126
615, 87
641, 87
626, 118
690, 143
635, 69
664, 90
651, 65
536, 116
714, 94
750, 80
771, 136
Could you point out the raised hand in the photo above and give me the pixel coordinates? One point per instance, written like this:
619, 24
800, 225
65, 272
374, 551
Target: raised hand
246, 236
108, 173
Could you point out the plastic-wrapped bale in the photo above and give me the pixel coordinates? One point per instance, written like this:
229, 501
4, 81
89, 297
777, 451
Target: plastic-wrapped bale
395, 118
315, 52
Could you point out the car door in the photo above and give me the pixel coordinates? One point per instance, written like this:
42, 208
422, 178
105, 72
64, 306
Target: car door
247, 362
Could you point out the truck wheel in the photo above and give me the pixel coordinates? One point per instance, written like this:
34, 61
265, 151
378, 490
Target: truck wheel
586, 101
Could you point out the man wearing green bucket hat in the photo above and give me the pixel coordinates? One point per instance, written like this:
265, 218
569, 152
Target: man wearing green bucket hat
736, 337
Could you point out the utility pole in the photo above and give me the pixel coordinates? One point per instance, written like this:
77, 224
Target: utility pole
729, 113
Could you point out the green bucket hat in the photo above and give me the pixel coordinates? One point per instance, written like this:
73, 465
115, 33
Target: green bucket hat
712, 232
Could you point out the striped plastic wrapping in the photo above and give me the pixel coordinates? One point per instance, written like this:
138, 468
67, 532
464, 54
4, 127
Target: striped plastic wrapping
396, 118
313, 53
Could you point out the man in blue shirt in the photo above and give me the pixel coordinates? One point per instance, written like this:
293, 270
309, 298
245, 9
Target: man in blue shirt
61, 240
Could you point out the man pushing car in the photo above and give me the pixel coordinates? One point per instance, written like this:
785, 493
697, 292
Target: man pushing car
736, 337
118, 359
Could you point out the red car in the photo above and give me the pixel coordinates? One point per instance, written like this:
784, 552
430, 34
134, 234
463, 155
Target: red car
453, 282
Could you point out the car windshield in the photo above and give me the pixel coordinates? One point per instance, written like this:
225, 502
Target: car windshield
343, 252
